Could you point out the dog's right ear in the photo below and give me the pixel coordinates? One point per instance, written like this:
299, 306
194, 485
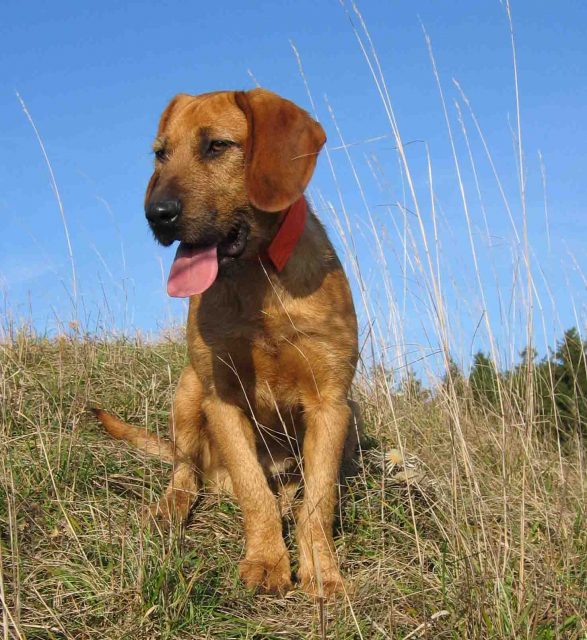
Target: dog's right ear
282, 147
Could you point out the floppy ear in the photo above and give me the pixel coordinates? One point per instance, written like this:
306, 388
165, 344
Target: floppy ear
282, 146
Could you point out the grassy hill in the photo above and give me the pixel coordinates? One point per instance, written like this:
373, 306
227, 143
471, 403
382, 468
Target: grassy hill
461, 523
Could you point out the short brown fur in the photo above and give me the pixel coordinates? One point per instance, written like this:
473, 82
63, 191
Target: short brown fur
271, 355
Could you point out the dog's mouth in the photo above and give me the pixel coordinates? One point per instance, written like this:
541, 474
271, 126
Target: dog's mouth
234, 243
195, 266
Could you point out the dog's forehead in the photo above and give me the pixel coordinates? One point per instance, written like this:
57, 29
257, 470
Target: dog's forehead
209, 110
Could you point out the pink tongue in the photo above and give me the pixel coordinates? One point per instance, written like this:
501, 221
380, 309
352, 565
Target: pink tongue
192, 271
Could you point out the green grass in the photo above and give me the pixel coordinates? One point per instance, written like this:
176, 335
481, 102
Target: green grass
493, 541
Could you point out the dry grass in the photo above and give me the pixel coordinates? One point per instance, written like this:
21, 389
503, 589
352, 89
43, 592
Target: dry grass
483, 541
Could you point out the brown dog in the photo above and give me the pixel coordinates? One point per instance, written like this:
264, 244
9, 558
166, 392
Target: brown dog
272, 332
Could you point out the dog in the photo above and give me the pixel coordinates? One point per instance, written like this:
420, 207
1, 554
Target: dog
271, 330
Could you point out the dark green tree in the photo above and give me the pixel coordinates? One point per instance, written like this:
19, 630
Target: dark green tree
559, 385
528, 356
570, 381
522, 378
483, 380
453, 378
411, 386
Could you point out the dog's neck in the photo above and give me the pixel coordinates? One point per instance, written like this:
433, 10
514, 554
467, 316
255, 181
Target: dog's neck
288, 235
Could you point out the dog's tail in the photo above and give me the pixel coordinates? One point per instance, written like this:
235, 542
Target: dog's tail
142, 439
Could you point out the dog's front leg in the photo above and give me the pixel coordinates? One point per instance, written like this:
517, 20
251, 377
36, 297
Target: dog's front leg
266, 564
326, 432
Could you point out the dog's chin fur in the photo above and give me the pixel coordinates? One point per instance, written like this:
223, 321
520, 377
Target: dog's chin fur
162, 241
229, 267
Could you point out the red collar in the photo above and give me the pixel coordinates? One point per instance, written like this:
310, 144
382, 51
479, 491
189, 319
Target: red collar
288, 234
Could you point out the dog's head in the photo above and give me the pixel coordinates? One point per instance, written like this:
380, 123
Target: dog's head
225, 164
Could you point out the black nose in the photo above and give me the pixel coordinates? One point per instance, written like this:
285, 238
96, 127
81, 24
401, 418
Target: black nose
163, 212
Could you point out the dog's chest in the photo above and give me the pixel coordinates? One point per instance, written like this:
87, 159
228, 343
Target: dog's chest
259, 362
277, 360
260, 347
271, 362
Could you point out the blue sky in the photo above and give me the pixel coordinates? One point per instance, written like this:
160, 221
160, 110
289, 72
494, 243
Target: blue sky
95, 77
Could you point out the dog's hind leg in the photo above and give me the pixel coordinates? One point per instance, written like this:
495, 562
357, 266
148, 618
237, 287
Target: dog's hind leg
187, 441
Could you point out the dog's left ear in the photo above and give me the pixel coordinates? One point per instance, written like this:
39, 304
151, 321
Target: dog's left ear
282, 147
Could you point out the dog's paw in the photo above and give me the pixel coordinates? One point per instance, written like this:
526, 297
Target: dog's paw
157, 517
267, 575
165, 516
328, 584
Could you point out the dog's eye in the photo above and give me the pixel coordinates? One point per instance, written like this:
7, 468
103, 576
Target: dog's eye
216, 147
161, 155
